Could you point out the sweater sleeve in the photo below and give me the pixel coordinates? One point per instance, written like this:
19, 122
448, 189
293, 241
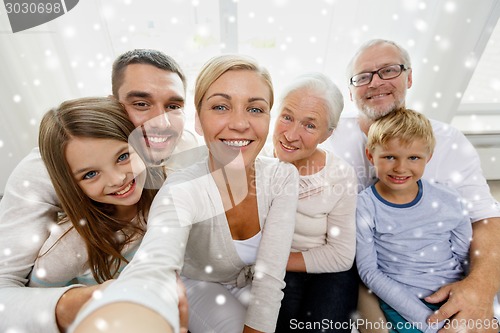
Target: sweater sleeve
460, 239
390, 291
28, 209
150, 277
274, 249
337, 255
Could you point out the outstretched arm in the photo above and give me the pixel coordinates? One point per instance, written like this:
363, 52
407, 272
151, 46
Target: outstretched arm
124, 317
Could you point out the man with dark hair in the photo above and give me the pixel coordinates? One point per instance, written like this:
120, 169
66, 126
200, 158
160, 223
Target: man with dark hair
152, 87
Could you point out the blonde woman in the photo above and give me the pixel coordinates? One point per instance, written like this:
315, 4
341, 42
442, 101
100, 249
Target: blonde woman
227, 222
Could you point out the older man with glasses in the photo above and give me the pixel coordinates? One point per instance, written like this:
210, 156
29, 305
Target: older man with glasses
379, 76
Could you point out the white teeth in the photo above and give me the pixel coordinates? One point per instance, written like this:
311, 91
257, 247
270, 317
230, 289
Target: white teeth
288, 147
237, 143
379, 95
157, 139
125, 190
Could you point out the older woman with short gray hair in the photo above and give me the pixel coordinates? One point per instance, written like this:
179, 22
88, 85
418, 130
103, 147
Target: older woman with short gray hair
321, 283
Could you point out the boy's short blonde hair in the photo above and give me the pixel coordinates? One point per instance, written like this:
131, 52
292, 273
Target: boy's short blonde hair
403, 124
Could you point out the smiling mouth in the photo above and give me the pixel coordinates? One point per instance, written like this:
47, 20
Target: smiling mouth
399, 179
237, 143
378, 96
288, 147
126, 189
153, 141
157, 139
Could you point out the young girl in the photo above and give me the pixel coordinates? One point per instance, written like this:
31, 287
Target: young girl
99, 180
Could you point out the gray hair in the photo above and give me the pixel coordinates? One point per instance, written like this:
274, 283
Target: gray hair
405, 56
323, 87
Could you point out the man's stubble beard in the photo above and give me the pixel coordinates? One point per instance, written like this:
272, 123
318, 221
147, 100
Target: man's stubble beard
374, 113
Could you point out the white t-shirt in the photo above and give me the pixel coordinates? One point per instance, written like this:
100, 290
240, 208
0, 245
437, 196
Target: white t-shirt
455, 163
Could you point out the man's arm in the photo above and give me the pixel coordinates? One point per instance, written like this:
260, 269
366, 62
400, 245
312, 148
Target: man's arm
27, 211
471, 300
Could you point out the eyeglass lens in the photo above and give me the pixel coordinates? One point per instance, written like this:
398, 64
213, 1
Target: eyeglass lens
385, 73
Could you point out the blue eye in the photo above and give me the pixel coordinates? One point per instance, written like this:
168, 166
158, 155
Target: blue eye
90, 175
123, 157
219, 107
390, 158
414, 158
310, 126
255, 110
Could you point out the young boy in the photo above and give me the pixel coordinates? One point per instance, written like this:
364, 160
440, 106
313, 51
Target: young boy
413, 236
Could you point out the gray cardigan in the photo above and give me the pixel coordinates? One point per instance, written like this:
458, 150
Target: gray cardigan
187, 220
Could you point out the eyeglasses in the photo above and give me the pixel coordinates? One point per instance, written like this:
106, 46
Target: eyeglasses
385, 73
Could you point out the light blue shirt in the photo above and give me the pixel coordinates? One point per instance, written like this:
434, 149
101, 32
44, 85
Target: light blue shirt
407, 252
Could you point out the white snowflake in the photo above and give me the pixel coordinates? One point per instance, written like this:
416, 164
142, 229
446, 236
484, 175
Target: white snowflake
101, 324
69, 32
220, 299
335, 231
456, 177
450, 6
44, 317
97, 294
41, 273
